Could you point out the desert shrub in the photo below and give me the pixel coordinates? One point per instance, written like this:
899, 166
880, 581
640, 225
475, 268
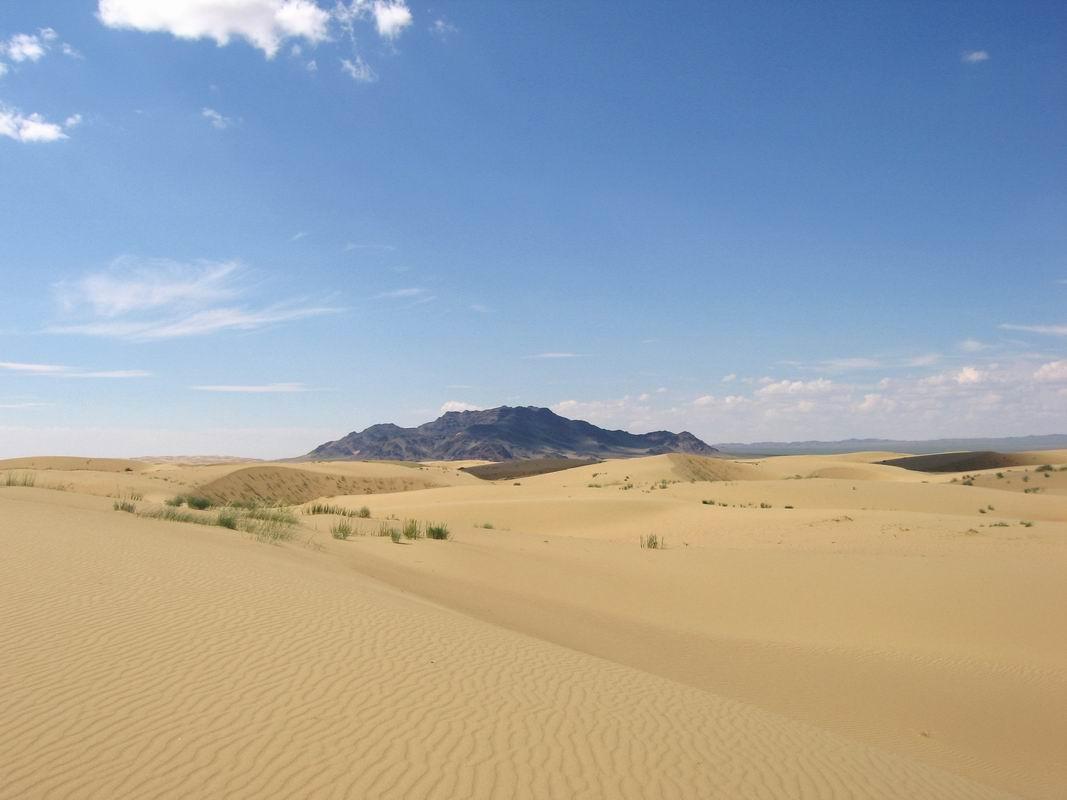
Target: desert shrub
765, 505
384, 529
394, 534
175, 501
124, 505
363, 513
411, 530
1027, 523
1044, 468
341, 530
487, 525
20, 479
708, 502
227, 518
653, 542
789, 507
197, 502
437, 531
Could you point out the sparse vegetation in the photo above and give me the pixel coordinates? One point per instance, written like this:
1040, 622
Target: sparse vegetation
487, 525
227, 518
653, 542
20, 479
412, 530
385, 529
197, 502
363, 513
1027, 523
326, 508
266, 524
765, 505
124, 505
394, 534
1044, 468
437, 531
341, 530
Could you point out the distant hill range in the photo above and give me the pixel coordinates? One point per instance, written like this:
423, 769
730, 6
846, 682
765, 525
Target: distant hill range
1008, 444
503, 434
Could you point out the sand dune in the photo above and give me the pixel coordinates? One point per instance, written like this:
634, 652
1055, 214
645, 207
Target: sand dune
888, 635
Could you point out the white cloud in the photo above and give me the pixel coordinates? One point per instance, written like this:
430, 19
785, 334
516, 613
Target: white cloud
729, 378
263, 23
457, 405
160, 299
443, 28
59, 371
25, 46
217, 120
1048, 330
31, 127
390, 17
974, 56
817, 386
1052, 372
267, 388
359, 70
972, 346
414, 291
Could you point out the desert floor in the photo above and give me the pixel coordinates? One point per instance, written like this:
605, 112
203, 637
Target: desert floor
815, 627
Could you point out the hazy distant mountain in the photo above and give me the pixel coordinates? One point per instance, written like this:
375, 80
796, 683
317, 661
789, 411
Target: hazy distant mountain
501, 434
1008, 444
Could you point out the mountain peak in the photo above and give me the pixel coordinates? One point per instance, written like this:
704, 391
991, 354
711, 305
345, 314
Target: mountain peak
504, 433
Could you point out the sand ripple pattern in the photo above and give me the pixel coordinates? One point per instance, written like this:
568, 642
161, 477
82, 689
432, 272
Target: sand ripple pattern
148, 661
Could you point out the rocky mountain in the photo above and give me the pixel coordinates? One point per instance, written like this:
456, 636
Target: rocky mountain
502, 434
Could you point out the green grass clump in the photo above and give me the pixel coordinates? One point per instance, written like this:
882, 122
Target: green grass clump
227, 518
341, 530
169, 514
411, 530
765, 505
437, 531
487, 525
394, 534
197, 502
175, 501
1027, 523
124, 505
363, 513
1044, 468
385, 529
653, 542
20, 479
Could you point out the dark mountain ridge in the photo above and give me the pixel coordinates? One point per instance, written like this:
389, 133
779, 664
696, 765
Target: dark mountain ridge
503, 434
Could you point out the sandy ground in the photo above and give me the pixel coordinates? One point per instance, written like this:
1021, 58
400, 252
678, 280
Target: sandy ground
816, 627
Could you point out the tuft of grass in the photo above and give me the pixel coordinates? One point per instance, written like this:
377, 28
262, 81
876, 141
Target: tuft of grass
394, 534
175, 501
653, 542
765, 505
708, 502
169, 514
1044, 468
124, 505
789, 507
197, 502
437, 531
227, 518
384, 529
341, 530
20, 479
1027, 523
363, 513
412, 530
487, 525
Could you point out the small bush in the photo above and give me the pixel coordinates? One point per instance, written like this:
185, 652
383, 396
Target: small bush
412, 530
20, 479
394, 534
364, 512
124, 505
708, 502
1027, 523
227, 518
1044, 468
437, 531
197, 502
487, 525
653, 542
341, 530
175, 501
765, 505
789, 507
385, 530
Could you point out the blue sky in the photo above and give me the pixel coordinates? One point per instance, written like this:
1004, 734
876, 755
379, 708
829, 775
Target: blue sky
247, 227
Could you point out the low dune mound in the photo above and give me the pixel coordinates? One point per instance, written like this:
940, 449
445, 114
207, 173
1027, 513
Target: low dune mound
292, 486
72, 463
525, 468
702, 468
961, 462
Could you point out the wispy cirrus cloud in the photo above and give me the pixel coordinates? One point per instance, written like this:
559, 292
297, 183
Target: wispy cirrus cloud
974, 56
554, 355
218, 121
61, 371
146, 300
265, 388
1047, 330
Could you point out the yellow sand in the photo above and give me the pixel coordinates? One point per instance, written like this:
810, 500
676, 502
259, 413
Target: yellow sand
893, 634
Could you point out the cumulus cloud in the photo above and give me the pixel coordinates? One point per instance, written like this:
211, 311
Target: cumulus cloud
974, 56
457, 405
161, 299
818, 386
390, 17
1052, 372
265, 24
25, 46
33, 128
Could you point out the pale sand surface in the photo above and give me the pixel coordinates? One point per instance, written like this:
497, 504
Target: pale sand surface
882, 638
